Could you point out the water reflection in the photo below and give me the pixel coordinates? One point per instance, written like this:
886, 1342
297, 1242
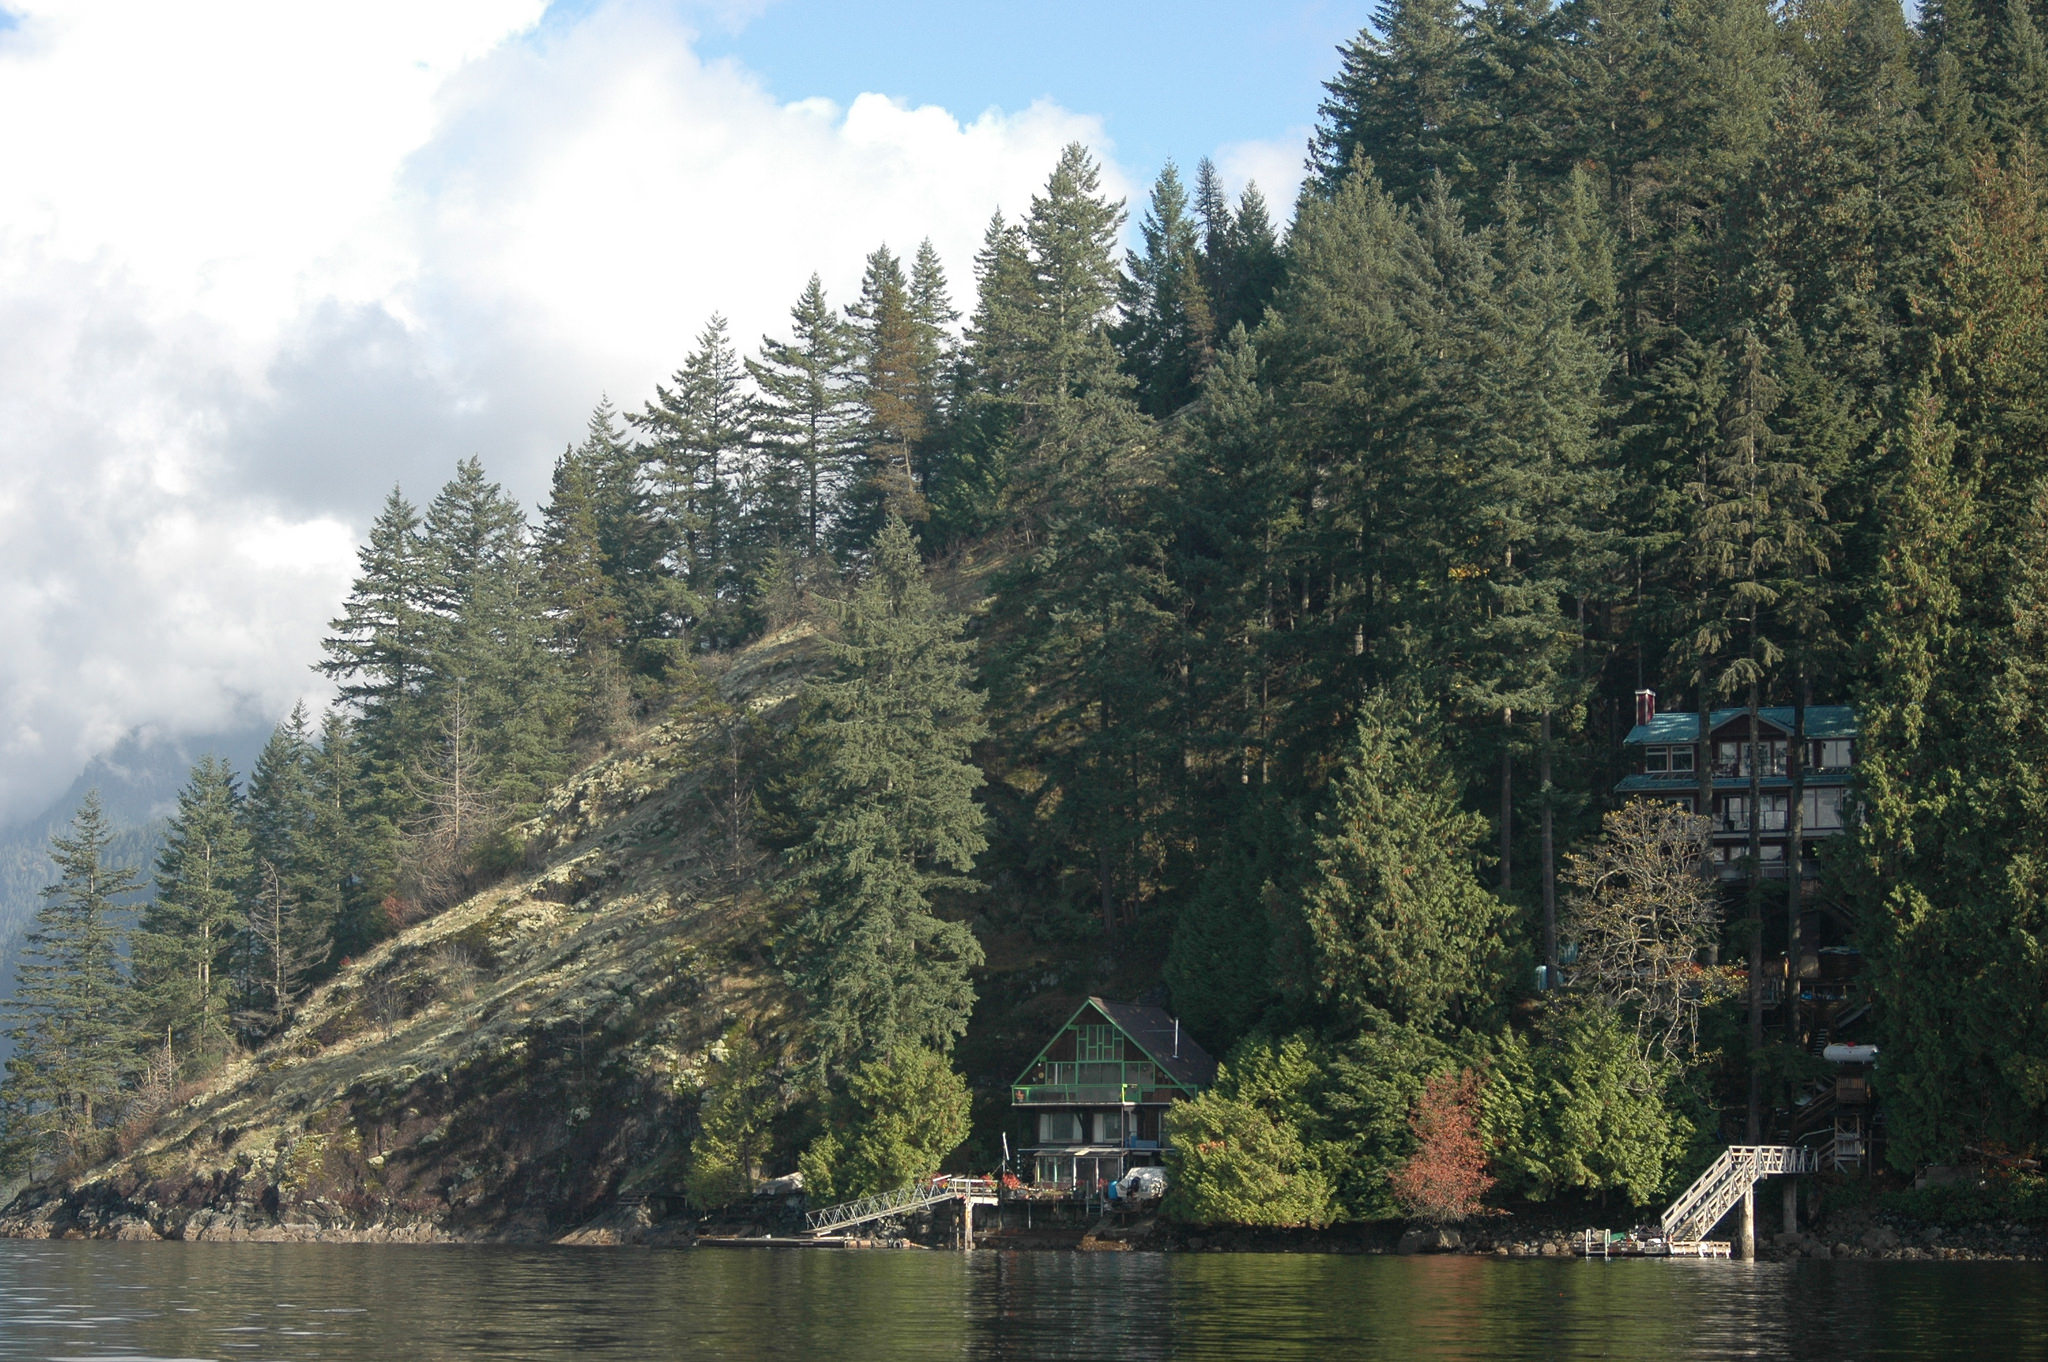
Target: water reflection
75, 1300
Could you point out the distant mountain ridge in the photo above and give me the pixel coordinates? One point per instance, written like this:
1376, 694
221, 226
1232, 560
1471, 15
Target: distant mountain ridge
138, 780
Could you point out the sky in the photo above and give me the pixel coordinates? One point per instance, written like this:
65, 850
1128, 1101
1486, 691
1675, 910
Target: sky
260, 262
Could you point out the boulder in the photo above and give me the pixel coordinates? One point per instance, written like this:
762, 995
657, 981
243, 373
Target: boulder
1430, 1240
1880, 1238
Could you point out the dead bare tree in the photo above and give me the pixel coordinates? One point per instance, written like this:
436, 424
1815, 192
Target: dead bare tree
456, 810
283, 947
1642, 916
730, 791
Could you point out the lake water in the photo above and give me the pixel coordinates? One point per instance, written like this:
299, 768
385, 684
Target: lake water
67, 1300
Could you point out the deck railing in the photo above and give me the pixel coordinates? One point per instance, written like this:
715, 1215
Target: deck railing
1078, 1094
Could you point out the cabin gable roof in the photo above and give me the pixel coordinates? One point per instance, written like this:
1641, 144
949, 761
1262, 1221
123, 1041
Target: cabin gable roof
1153, 1031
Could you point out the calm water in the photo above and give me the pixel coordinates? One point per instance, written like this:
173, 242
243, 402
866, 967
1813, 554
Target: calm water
69, 1300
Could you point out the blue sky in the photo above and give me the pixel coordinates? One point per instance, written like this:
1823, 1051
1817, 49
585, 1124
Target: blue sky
1179, 80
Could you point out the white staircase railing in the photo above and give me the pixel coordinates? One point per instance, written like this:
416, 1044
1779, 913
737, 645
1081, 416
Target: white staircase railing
899, 1202
1716, 1191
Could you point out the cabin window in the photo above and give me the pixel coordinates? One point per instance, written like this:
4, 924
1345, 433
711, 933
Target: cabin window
1834, 754
1735, 813
1823, 809
1109, 1127
1656, 759
1727, 758
1681, 758
1096, 1043
1102, 1073
1059, 1127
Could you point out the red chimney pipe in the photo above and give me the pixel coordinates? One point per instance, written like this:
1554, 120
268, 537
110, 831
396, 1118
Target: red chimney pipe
1646, 706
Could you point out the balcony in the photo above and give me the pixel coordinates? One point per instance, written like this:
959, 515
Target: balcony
1084, 1095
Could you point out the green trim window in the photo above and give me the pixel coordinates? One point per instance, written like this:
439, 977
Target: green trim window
1097, 1044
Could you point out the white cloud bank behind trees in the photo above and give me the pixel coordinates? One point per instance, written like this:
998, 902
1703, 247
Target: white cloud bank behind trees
260, 261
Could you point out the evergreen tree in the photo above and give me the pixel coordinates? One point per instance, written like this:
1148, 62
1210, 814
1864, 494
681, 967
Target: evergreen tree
1167, 333
698, 428
291, 903
895, 352
1396, 926
806, 410
490, 640
932, 319
968, 487
381, 648
886, 808
1399, 99
184, 944
1255, 268
901, 1114
68, 1022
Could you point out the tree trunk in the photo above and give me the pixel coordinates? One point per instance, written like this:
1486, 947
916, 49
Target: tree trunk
1507, 802
1756, 920
1102, 882
1549, 860
1703, 797
1795, 835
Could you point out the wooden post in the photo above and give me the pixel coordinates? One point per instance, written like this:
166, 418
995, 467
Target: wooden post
1745, 1241
967, 1224
1791, 1205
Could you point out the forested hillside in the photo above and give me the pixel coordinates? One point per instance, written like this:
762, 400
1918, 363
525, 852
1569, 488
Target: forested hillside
1248, 620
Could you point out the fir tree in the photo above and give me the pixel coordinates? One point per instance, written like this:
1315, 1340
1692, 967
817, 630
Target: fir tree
381, 648
698, 428
886, 808
68, 1021
806, 412
1396, 926
292, 903
184, 943
895, 390
1398, 99
1168, 332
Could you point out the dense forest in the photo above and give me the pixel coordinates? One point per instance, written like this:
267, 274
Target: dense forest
1249, 620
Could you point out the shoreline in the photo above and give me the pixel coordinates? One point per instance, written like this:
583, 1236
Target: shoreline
1855, 1237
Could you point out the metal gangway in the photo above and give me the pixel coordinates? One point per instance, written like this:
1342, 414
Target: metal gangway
971, 1192
1716, 1192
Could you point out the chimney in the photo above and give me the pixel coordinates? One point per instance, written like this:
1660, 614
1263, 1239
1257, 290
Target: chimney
1646, 706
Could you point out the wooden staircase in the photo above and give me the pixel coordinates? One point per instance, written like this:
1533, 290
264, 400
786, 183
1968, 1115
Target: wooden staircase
1716, 1191
834, 1219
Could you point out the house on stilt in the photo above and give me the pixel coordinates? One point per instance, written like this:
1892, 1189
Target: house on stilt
1092, 1103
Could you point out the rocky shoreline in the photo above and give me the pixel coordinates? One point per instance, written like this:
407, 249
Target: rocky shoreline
100, 1214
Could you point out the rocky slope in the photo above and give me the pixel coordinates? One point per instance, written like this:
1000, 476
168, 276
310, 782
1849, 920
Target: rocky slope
522, 1066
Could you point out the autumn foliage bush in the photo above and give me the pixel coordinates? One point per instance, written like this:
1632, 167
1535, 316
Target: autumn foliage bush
1446, 1176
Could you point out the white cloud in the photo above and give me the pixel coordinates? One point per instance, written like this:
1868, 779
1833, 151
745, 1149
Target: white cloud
257, 261
1277, 165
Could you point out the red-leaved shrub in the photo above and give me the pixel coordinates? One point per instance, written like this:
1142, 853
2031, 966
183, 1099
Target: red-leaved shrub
1447, 1175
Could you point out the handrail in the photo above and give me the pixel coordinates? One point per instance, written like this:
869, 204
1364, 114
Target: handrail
1714, 1193
896, 1202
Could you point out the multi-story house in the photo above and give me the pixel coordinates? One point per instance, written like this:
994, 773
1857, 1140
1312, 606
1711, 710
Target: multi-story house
1094, 1098
1667, 748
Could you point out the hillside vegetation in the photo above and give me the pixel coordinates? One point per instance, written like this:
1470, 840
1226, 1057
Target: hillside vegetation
509, 1068
1247, 621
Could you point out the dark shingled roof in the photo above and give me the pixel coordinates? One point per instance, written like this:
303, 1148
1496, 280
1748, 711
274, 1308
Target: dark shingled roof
1154, 1029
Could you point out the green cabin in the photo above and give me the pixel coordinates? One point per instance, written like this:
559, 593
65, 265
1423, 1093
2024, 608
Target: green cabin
1091, 1103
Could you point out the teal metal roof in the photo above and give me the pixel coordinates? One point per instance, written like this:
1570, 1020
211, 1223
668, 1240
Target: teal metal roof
1681, 726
